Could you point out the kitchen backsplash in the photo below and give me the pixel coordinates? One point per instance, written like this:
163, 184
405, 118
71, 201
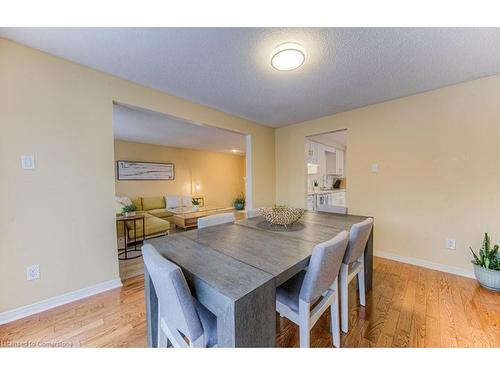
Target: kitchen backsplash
318, 177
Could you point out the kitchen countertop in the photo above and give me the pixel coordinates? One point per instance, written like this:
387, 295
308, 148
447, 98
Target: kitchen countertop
326, 191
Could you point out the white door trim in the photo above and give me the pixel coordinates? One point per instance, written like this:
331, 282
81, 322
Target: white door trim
249, 173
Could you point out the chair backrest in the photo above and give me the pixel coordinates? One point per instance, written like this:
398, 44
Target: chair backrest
216, 219
175, 300
324, 267
358, 237
332, 209
254, 212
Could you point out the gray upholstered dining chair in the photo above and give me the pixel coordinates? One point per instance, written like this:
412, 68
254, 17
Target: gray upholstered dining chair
180, 316
216, 219
254, 212
318, 285
352, 265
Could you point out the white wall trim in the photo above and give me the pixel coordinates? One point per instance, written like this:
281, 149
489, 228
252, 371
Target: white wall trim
24, 311
426, 264
249, 173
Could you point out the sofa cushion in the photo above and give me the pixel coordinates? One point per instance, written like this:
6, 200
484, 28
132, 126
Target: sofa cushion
137, 202
118, 207
121, 202
160, 212
150, 203
172, 201
187, 201
154, 225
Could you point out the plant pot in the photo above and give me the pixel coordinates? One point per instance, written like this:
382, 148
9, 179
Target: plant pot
239, 206
490, 279
127, 214
196, 207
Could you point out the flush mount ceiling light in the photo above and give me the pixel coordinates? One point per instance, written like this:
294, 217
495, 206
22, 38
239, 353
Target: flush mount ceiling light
288, 56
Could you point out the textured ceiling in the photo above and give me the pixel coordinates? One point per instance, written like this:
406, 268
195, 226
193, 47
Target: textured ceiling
229, 69
132, 124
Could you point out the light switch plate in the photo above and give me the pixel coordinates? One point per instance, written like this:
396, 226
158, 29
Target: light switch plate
375, 168
33, 272
27, 162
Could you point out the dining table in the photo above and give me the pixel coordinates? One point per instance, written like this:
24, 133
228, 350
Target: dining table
233, 270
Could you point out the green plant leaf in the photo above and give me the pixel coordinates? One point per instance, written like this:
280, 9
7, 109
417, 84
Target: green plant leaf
488, 256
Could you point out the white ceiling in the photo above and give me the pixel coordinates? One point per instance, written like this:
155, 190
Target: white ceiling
229, 69
140, 125
332, 139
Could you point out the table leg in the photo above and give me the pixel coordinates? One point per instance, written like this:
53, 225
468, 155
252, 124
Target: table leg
251, 321
151, 310
135, 235
126, 239
369, 263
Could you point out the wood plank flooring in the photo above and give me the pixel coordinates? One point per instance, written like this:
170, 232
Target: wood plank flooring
409, 306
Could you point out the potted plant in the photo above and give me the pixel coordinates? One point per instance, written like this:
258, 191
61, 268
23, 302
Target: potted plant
487, 265
196, 204
239, 202
128, 210
315, 185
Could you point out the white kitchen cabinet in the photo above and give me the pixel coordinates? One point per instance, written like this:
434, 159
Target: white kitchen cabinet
312, 152
310, 202
321, 159
340, 161
338, 199
331, 162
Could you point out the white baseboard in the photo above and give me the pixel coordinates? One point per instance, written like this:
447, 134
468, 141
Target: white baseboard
426, 264
24, 311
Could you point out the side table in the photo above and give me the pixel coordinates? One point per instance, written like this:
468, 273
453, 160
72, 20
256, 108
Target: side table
123, 254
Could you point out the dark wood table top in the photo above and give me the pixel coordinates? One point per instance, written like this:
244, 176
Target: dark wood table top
237, 258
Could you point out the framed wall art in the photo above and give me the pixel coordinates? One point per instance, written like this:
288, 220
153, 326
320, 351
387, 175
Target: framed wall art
140, 170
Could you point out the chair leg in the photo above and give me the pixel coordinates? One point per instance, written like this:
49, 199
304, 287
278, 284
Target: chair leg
334, 317
198, 343
361, 283
344, 306
159, 332
304, 324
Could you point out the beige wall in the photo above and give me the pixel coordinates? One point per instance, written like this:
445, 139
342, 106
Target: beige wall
61, 215
439, 158
220, 175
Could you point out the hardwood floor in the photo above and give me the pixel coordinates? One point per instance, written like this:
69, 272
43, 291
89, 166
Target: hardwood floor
409, 306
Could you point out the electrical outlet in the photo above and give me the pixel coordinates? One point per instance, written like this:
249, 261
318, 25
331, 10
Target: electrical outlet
375, 168
33, 272
450, 243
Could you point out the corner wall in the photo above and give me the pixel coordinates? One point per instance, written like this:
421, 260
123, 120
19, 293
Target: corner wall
61, 215
439, 159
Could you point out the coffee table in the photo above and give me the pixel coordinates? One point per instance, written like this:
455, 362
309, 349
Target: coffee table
187, 217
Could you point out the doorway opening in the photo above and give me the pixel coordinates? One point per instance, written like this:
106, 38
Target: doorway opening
325, 158
170, 172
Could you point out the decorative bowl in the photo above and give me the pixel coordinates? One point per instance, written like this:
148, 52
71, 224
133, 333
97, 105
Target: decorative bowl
282, 215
